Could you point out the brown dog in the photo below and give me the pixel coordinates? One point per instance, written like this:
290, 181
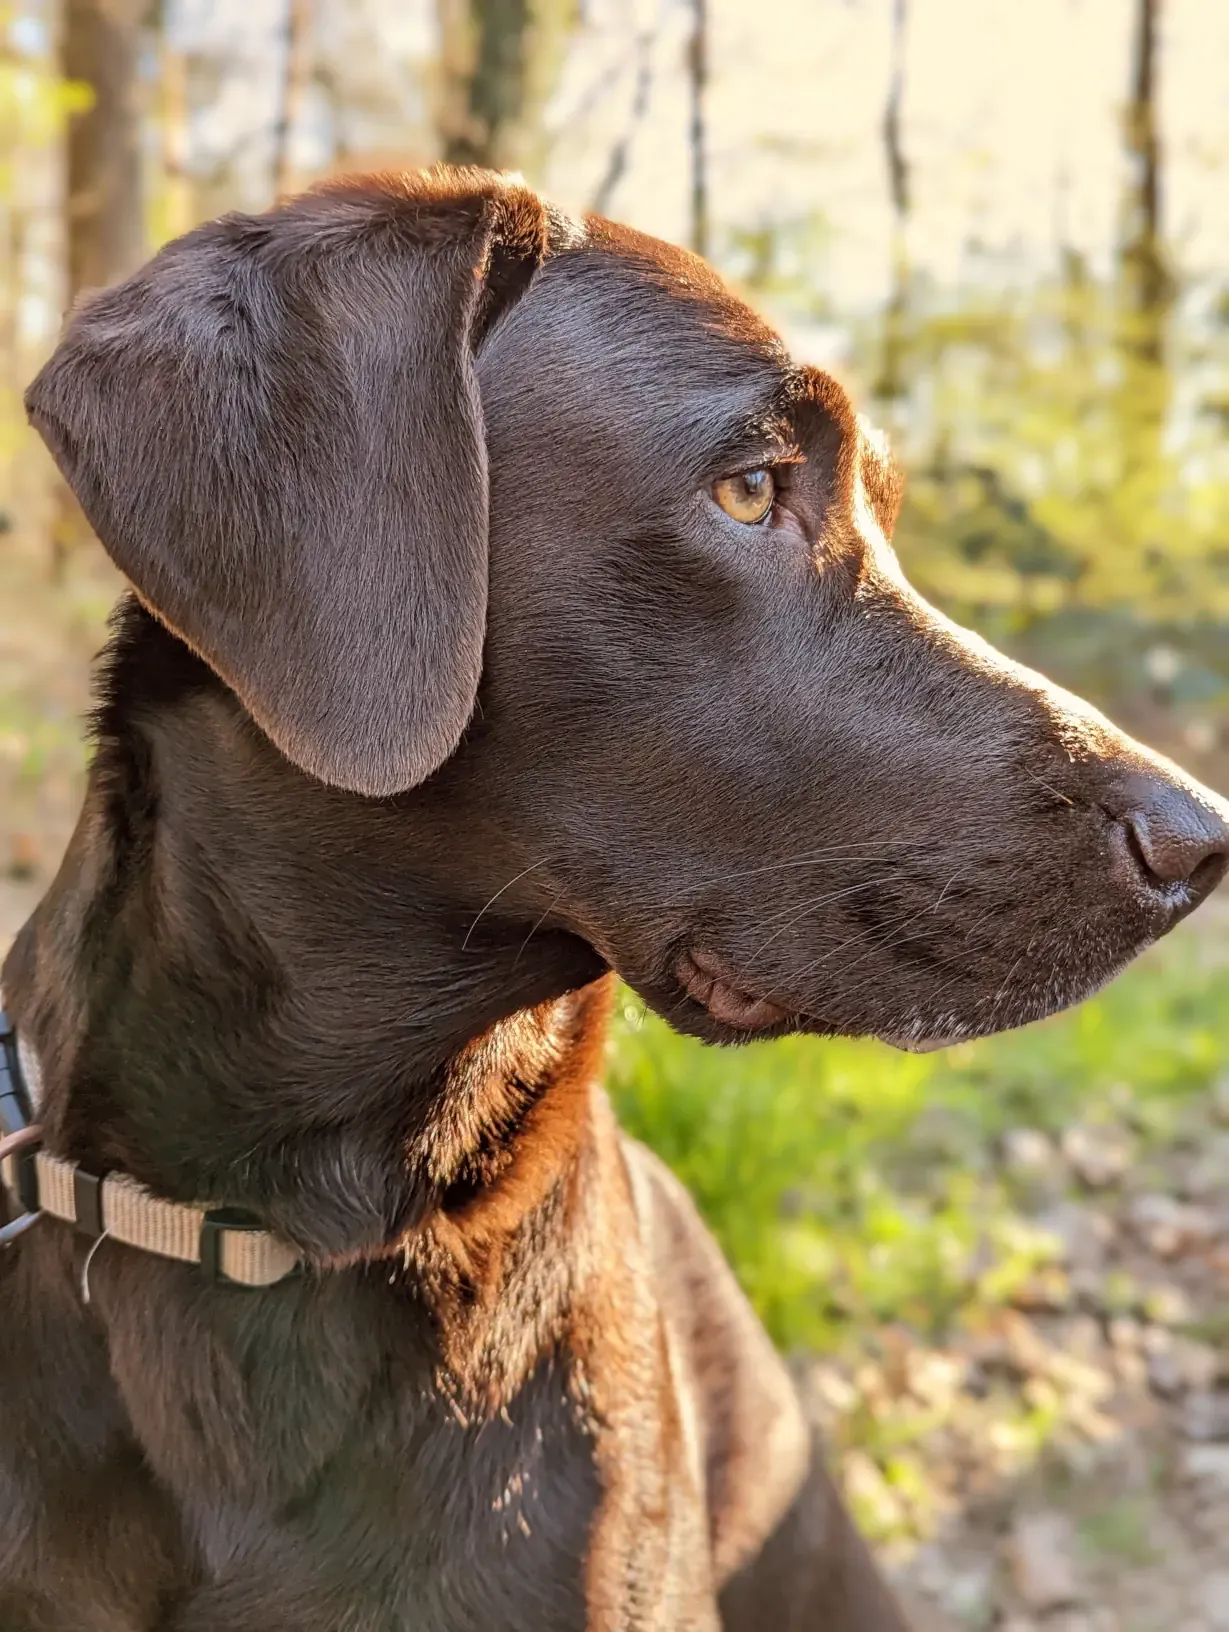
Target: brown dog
518, 611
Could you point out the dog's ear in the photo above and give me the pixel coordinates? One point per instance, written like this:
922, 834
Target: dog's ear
275, 430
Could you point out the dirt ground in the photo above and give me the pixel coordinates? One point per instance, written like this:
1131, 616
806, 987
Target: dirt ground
1121, 1523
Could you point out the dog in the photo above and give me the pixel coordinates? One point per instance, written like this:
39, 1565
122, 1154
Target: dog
507, 609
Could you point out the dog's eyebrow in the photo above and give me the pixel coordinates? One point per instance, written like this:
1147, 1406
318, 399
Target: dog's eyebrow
747, 453
766, 435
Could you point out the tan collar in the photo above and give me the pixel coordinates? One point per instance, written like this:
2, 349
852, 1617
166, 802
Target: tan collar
227, 1244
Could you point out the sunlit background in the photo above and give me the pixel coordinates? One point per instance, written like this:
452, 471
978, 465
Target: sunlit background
1006, 226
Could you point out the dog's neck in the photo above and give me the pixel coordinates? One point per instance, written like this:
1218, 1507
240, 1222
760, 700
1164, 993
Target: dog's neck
249, 990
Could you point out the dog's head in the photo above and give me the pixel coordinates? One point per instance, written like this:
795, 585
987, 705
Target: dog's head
536, 525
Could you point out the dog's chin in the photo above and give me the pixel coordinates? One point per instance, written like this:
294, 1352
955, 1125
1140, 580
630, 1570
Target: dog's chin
707, 996
991, 1015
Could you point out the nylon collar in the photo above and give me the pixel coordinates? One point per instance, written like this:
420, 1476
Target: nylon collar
228, 1244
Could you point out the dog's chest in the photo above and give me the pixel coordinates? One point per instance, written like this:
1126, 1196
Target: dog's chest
305, 1467
316, 1468
416, 1523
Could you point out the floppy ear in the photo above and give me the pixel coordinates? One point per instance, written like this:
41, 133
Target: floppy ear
275, 430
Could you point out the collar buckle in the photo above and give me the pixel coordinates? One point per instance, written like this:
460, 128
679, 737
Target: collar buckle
19, 1136
16, 1112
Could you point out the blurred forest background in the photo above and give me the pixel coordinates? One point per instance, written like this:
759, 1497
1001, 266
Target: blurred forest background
1006, 227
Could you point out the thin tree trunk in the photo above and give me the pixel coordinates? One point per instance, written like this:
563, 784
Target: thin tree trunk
898, 167
1143, 397
104, 238
486, 59
296, 71
1145, 276
697, 71
101, 47
617, 164
499, 60
333, 93
176, 124
891, 384
10, 362
10, 268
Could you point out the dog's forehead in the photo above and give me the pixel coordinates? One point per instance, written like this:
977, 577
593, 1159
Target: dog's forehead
629, 367
639, 339
696, 291
630, 301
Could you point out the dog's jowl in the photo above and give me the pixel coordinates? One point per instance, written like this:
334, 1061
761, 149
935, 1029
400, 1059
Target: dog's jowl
507, 609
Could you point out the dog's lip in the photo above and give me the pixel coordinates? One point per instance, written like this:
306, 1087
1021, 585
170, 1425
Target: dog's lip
707, 981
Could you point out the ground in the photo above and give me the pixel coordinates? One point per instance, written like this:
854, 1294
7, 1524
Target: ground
1120, 1522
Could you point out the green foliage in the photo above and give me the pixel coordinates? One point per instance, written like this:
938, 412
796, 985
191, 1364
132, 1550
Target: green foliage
1069, 481
1122, 1530
852, 1186
777, 261
34, 103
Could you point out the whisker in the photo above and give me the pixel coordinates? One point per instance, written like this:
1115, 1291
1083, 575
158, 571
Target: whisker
1041, 783
814, 906
882, 943
808, 907
542, 917
815, 859
961, 973
516, 876
901, 853
943, 892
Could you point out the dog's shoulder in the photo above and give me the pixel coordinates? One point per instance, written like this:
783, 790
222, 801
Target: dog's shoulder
752, 1436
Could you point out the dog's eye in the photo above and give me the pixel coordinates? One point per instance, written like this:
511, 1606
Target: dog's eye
748, 497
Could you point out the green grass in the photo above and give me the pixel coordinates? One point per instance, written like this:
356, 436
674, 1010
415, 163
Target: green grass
853, 1187
1122, 1530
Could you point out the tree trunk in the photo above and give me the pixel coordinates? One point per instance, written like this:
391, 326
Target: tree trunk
175, 215
697, 73
616, 165
898, 167
1143, 397
487, 79
296, 69
105, 226
891, 382
1145, 276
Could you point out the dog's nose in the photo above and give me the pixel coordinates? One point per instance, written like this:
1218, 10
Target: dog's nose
1175, 835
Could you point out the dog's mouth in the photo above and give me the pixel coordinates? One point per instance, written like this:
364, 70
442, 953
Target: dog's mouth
708, 982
